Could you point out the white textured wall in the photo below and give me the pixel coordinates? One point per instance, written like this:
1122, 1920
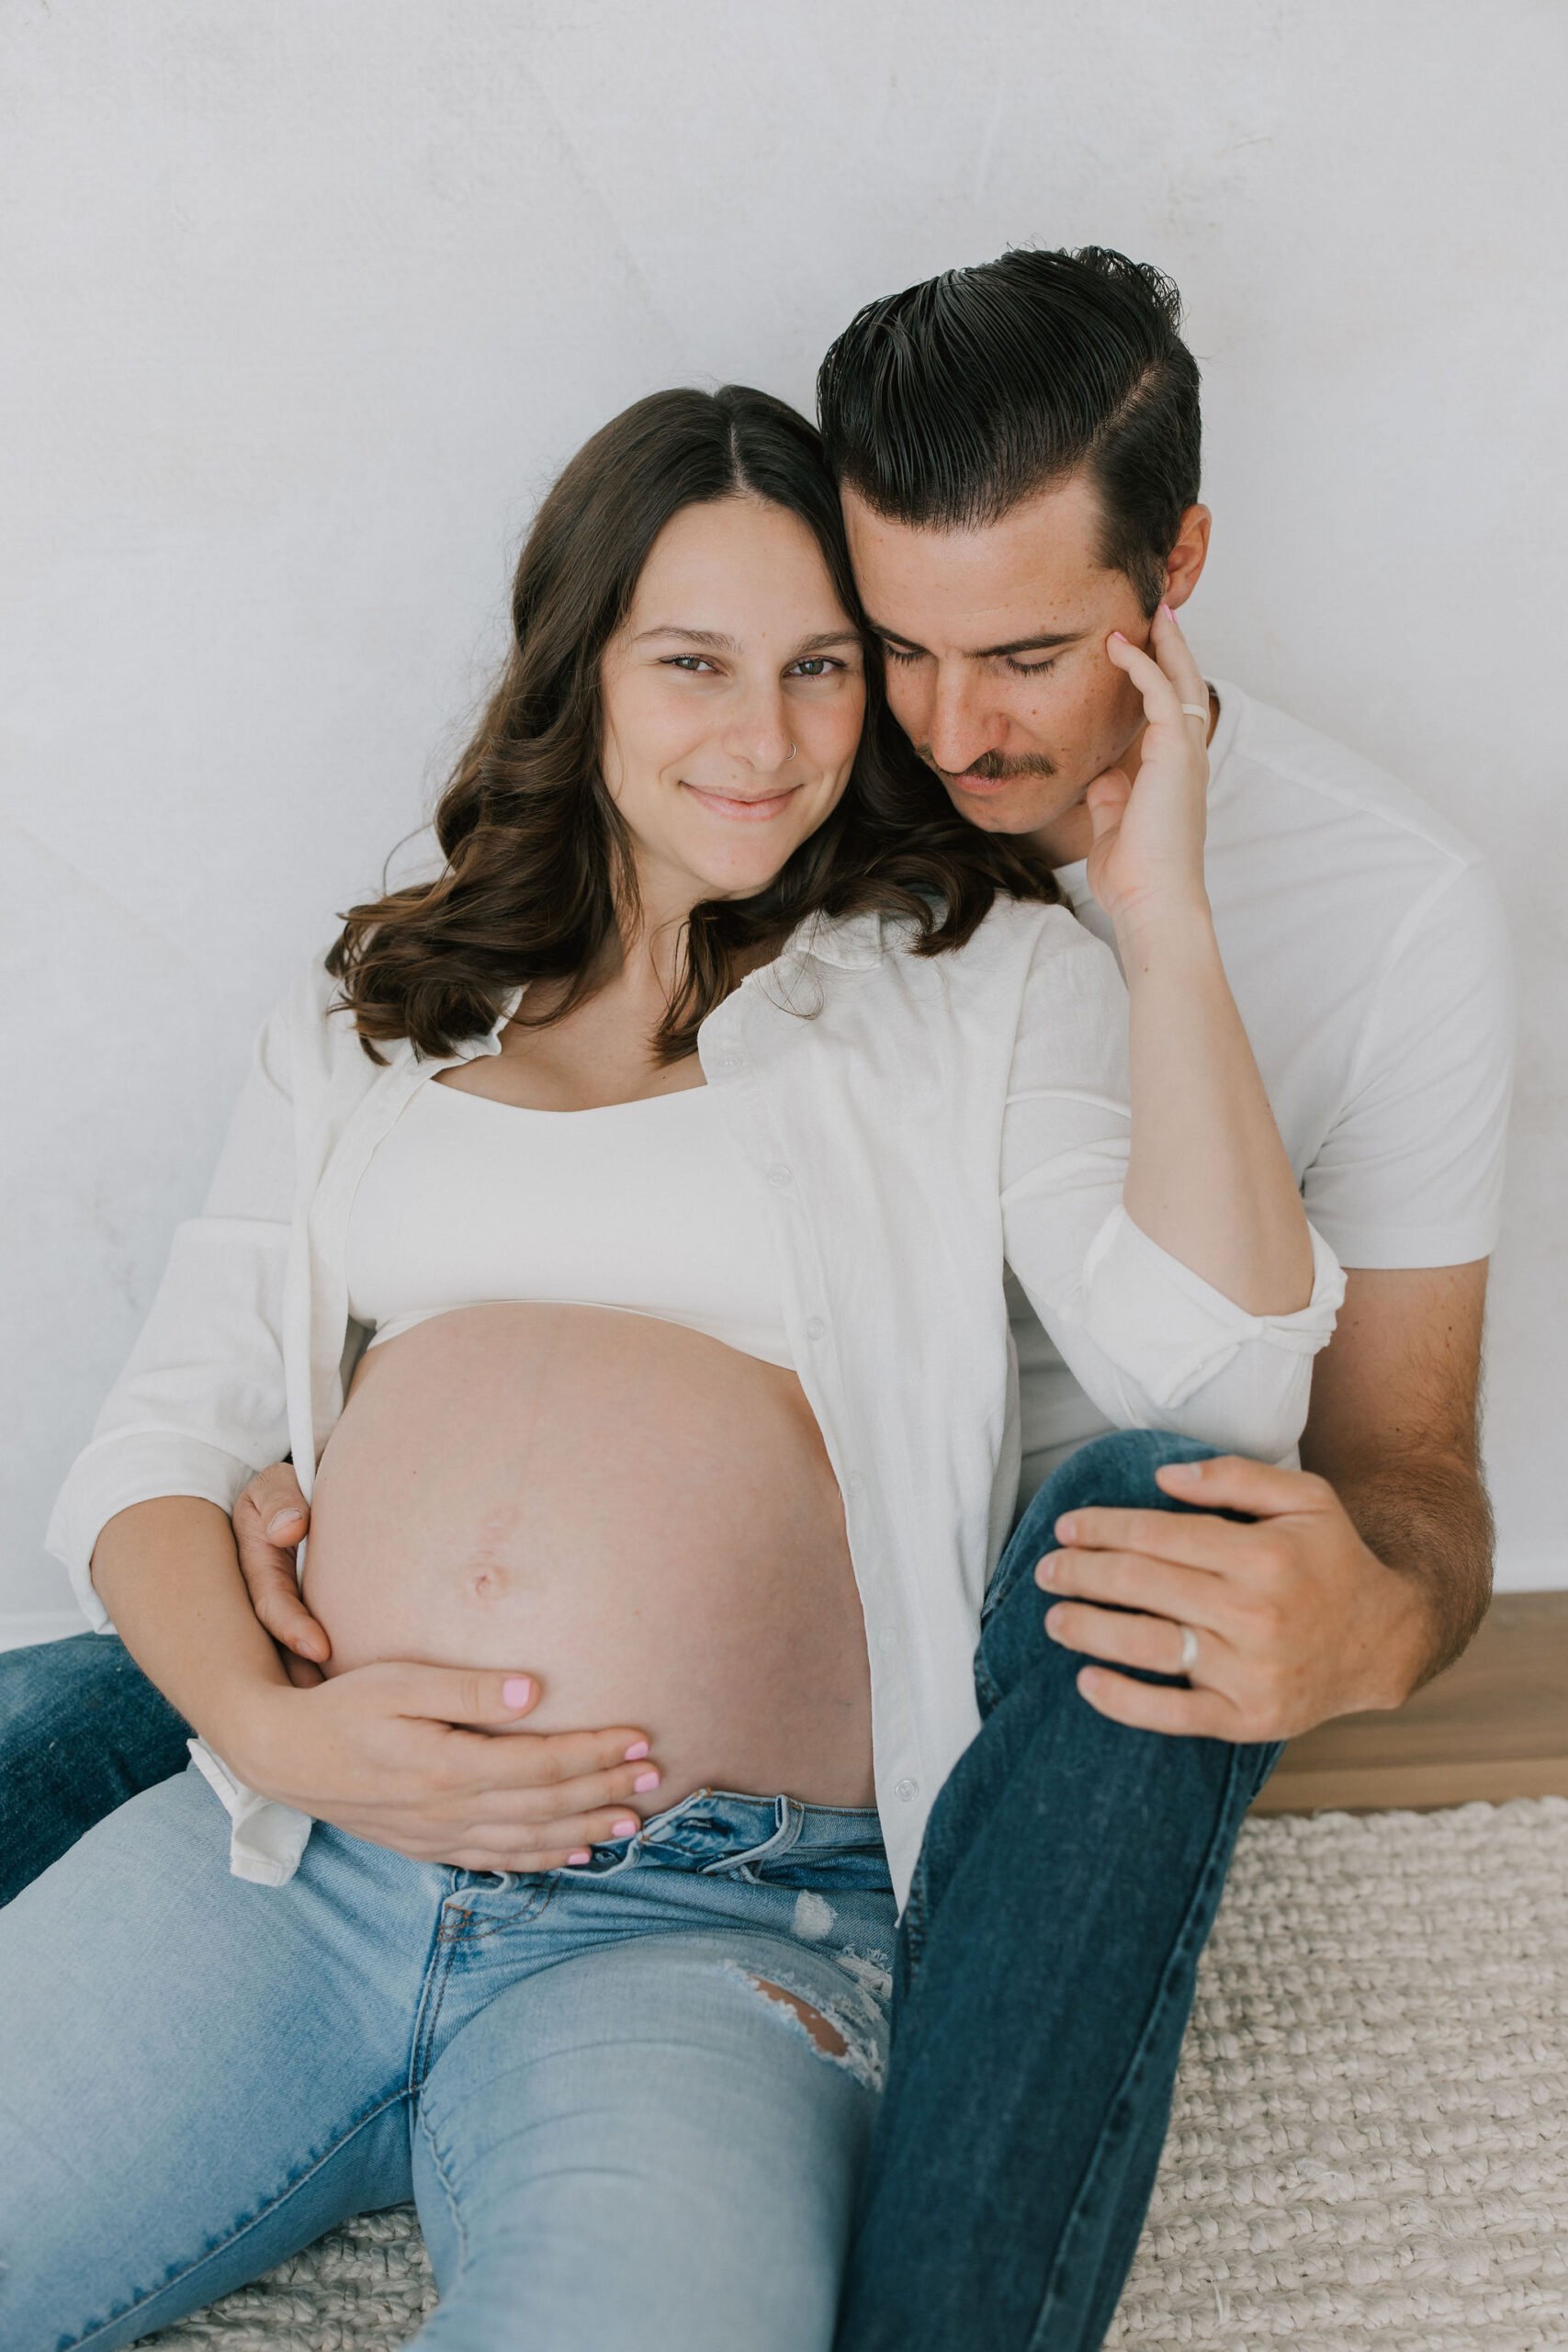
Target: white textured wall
306, 302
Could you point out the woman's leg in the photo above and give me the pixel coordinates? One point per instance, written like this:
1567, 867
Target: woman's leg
656, 2145
200, 2076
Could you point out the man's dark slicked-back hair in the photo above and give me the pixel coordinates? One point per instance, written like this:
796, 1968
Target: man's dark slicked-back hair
945, 406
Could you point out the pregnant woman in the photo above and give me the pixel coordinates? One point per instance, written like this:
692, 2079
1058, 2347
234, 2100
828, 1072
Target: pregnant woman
613, 1231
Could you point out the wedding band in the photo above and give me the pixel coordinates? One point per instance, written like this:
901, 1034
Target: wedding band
1189, 1650
1196, 711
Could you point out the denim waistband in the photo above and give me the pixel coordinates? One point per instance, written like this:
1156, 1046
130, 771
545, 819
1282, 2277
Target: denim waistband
719, 1829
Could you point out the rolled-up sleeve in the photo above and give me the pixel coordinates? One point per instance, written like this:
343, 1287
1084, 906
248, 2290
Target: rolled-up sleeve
200, 1405
1150, 1342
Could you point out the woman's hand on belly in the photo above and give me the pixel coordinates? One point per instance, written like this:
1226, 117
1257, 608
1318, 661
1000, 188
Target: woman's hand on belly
430, 1760
583, 1787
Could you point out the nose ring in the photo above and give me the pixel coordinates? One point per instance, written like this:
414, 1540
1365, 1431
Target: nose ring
789, 755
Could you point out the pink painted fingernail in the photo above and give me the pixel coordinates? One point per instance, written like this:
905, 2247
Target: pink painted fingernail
627, 1828
644, 1781
636, 1751
1167, 613
581, 1856
517, 1691
1189, 1471
1117, 638
283, 1518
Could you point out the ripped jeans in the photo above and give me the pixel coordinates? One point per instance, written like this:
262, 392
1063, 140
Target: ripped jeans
631, 2100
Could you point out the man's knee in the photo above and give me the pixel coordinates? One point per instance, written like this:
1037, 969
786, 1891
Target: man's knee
40, 1685
81, 1730
1115, 1472
60, 1688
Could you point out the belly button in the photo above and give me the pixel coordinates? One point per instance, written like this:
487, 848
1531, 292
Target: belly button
488, 1585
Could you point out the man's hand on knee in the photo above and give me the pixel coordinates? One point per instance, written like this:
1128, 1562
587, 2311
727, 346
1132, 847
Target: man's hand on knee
1277, 1625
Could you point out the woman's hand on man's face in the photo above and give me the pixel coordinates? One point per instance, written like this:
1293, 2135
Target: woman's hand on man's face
406, 1755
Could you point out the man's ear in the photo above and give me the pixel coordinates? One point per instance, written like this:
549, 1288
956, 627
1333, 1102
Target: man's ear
1184, 565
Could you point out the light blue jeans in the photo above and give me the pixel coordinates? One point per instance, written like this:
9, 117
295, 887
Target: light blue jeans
618, 2129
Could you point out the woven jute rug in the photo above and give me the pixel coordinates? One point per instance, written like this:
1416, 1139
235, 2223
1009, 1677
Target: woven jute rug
1369, 2150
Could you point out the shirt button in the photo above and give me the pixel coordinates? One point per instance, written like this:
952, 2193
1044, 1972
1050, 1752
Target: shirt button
814, 1327
779, 1176
906, 1790
730, 1061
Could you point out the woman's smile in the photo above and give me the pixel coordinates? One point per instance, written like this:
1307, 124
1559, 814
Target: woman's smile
747, 809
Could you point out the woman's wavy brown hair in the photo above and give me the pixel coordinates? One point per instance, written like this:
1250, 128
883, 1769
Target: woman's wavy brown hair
540, 878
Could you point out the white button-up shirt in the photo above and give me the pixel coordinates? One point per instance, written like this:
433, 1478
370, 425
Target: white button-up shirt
915, 1124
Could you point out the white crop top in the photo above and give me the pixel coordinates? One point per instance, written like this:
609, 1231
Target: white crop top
647, 1206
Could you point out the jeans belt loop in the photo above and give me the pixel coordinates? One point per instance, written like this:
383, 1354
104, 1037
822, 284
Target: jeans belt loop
788, 1817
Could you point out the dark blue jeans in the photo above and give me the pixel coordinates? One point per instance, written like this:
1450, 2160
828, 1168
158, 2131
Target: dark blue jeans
1044, 1967
81, 1730
1044, 1977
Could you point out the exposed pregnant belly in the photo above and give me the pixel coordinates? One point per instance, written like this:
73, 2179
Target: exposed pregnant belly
639, 1515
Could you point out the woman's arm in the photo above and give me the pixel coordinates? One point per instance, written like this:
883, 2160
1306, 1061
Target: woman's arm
1152, 1341
403, 1754
398, 1753
1148, 1206
1207, 1179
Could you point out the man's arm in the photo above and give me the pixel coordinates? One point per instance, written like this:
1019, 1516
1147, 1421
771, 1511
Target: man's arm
1365, 1574
1393, 1427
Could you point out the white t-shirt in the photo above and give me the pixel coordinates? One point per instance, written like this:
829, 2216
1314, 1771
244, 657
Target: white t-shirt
1364, 940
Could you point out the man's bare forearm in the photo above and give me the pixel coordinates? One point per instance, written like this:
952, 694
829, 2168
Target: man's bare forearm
1430, 1520
1394, 1430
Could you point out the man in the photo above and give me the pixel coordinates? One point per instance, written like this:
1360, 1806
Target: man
1018, 446
1019, 451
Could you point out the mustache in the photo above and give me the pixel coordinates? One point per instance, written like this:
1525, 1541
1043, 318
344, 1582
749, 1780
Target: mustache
991, 767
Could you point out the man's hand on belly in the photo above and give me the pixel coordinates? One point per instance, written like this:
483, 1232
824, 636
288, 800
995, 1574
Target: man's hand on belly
406, 1755
270, 1521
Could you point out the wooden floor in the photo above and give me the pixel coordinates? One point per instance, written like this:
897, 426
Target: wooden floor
1495, 1726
